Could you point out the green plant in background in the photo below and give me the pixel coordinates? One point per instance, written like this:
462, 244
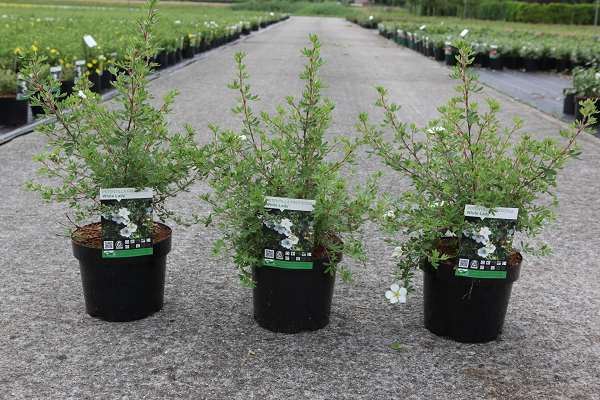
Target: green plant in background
8, 83
98, 146
465, 157
586, 82
285, 155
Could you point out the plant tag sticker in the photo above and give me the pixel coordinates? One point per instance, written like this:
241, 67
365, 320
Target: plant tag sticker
89, 41
464, 33
288, 229
126, 222
486, 242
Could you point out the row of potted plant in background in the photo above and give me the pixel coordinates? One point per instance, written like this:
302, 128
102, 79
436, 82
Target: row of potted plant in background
95, 66
281, 195
495, 48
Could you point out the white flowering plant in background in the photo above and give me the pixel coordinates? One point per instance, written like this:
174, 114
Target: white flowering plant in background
465, 156
285, 154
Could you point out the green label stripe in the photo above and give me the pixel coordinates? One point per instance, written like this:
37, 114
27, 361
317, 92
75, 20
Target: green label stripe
267, 262
145, 251
476, 273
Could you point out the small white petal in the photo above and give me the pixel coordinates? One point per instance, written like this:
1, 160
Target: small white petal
389, 294
395, 287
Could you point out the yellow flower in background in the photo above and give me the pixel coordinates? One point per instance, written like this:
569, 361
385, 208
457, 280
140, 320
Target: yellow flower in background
94, 61
34, 48
89, 65
97, 71
54, 51
18, 50
61, 61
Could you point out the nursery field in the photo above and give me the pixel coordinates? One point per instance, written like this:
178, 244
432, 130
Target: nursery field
565, 45
56, 31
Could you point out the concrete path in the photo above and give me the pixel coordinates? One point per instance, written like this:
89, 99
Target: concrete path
205, 345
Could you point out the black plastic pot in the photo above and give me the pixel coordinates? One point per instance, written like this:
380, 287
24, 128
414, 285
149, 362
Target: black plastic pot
563, 64
450, 53
438, 53
470, 310
13, 112
106, 79
531, 64
96, 81
569, 104
496, 63
162, 59
172, 58
66, 87
482, 59
123, 289
293, 300
188, 52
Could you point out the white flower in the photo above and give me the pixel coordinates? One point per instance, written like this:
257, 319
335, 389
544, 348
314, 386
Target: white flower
282, 230
397, 253
243, 138
485, 232
124, 213
286, 223
128, 230
449, 233
597, 76
81, 94
293, 239
390, 214
487, 250
271, 14
177, 22
396, 294
287, 243
371, 18
436, 129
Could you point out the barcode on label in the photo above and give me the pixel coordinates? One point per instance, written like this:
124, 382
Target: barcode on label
463, 263
269, 253
108, 245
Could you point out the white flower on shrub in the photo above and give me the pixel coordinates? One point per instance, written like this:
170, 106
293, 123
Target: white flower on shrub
129, 230
397, 253
371, 18
487, 250
243, 138
435, 129
396, 294
390, 214
81, 94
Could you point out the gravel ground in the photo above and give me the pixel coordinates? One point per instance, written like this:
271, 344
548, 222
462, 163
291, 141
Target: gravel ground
205, 345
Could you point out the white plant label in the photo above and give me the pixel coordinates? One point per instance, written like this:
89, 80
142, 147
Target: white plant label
89, 41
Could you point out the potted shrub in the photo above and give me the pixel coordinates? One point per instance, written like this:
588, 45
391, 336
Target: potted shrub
286, 157
454, 162
586, 82
13, 104
126, 147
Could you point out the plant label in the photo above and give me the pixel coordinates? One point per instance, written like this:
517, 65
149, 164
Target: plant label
464, 33
79, 68
486, 242
127, 222
89, 41
56, 72
288, 229
21, 88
